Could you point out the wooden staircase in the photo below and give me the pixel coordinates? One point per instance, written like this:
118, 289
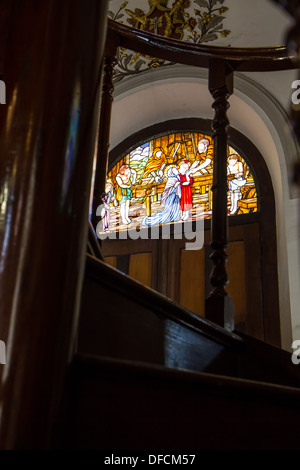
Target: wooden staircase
122, 405
148, 374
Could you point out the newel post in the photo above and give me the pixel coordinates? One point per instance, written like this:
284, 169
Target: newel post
52, 64
107, 99
218, 305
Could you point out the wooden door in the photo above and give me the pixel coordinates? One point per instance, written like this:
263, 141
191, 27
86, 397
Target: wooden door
183, 274
189, 272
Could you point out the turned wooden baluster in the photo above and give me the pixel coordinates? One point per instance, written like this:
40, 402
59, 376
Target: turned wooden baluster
105, 122
219, 306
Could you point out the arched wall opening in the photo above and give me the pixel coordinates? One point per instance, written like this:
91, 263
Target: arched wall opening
156, 97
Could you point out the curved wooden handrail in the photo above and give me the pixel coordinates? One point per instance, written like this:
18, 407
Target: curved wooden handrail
128, 287
242, 59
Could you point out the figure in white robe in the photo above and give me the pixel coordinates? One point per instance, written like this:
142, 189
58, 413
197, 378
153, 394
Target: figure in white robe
105, 212
236, 168
170, 201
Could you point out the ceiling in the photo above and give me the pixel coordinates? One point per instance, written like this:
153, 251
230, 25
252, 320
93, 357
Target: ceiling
235, 23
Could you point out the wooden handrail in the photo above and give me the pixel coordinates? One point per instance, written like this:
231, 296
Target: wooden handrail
90, 366
254, 59
48, 132
121, 404
94, 247
105, 274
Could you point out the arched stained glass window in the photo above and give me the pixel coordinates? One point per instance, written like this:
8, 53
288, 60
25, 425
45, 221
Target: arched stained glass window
167, 179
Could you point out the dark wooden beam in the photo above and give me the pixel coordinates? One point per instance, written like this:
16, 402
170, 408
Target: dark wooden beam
47, 141
242, 59
107, 98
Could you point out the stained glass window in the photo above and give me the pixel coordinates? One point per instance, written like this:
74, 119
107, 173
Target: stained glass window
165, 180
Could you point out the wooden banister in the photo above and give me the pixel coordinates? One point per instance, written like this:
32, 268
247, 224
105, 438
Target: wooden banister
241, 59
94, 247
148, 406
117, 281
52, 63
107, 98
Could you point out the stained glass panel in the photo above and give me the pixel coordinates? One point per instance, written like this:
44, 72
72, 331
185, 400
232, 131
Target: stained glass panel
165, 180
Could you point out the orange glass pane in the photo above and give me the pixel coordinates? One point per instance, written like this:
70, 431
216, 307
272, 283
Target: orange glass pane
169, 180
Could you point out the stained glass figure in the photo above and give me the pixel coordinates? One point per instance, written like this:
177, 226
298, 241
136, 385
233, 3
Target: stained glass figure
165, 180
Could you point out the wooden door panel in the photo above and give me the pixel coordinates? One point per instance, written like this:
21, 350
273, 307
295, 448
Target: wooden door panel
188, 283
236, 289
192, 280
183, 275
137, 258
140, 268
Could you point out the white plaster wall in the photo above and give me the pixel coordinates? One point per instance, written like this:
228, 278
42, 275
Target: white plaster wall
155, 97
255, 23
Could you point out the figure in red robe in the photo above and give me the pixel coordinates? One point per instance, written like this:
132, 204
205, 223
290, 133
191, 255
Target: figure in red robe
186, 180
186, 202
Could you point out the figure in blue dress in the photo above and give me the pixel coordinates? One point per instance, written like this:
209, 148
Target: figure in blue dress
170, 201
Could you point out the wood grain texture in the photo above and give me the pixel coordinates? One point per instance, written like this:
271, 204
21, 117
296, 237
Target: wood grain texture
237, 285
156, 408
47, 139
192, 280
241, 59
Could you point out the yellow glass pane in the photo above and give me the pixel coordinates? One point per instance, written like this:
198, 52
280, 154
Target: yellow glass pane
169, 180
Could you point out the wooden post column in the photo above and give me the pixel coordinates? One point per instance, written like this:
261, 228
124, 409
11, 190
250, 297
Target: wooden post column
51, 64
104, 129
219, 306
